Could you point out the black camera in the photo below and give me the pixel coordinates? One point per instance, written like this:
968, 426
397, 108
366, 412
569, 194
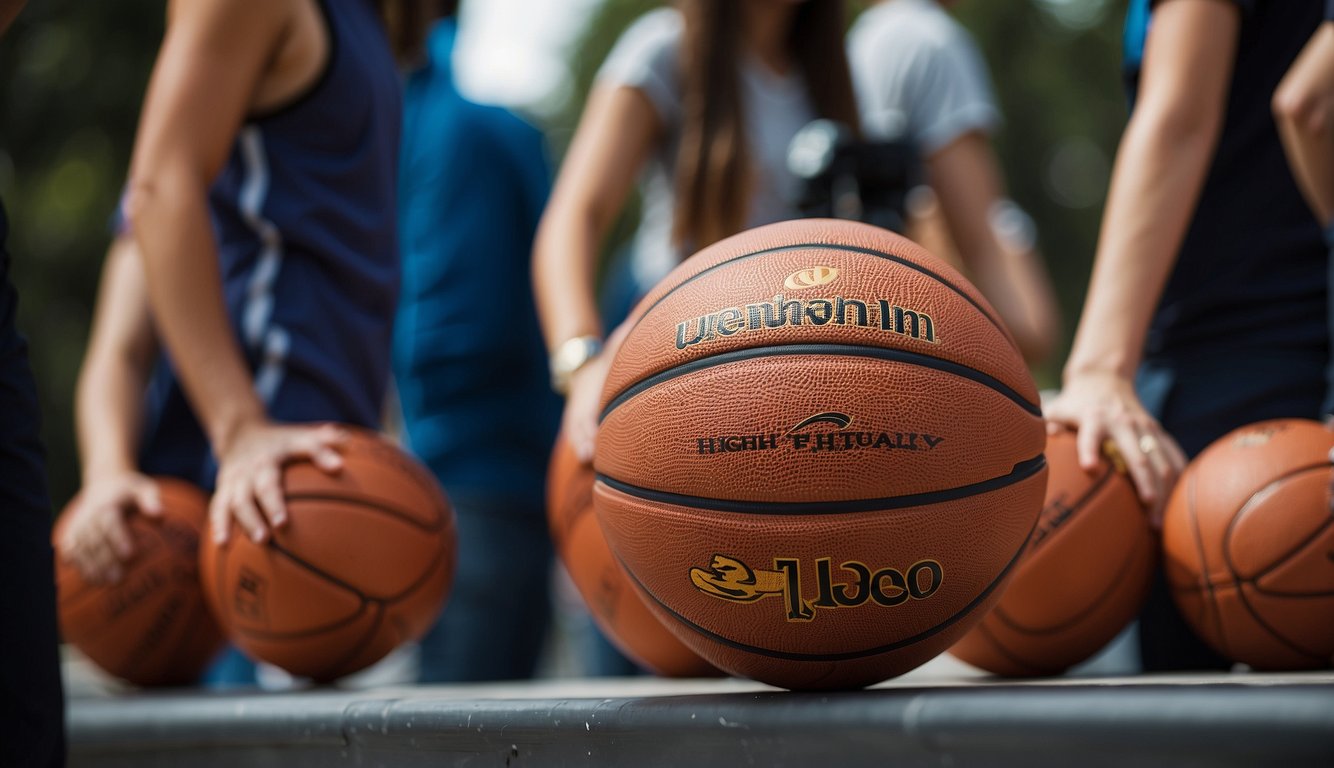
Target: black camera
843, 177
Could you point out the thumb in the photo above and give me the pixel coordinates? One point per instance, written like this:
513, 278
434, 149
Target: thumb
147, 498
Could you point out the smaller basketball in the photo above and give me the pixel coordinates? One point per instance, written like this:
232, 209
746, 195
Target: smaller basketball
1248, 545
362, 566
608, 593
152, 627
1082, 579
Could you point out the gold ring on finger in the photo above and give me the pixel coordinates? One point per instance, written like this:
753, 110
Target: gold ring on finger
1148, 443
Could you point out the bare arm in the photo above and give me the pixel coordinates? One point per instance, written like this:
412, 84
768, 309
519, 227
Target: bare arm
206, 78
967, 182
121, 350
617, 132
1156, 182
108, 413
1304, 111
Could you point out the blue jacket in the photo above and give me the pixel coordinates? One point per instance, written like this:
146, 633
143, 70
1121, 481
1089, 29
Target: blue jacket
468, 354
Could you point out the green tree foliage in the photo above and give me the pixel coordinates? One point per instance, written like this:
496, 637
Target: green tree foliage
72, 77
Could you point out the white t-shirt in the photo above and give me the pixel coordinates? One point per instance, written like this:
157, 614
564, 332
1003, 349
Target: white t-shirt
775, 107
918, 75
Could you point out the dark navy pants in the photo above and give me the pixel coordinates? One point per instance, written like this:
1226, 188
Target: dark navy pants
32, 721
1199, 398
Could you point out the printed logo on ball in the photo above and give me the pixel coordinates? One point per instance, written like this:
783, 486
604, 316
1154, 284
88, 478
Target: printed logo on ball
730, 579
810, 278
1257, 436
802, 437
248, 596
780, 312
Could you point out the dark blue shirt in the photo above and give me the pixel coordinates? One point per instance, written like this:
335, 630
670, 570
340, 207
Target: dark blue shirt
469, 360
303, 214
1251, 269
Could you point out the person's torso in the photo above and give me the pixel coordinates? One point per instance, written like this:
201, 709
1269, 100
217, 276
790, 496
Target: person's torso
469, 359
304, 215
774, 107
1252, 265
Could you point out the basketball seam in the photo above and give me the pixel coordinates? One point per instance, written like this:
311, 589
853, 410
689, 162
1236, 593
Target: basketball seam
1211, 599
375, 504
1284, 641
371, 632
1028, 669
827, 657
1098, 485
1021, 471
349, 587
833, 349
831, 247
1250, 500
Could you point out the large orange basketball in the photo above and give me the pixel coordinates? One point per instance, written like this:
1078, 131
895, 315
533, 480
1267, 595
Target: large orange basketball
1082, 579
1248, 545
362, 566
611, 599
152, 627
820, 454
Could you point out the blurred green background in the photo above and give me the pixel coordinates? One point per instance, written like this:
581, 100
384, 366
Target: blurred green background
72, 76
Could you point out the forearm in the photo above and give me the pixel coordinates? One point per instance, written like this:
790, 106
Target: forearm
174, 232
1156, 183
108, 407
564, 261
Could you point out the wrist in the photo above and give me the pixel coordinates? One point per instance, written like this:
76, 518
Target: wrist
569, 357
227, 429
96, 471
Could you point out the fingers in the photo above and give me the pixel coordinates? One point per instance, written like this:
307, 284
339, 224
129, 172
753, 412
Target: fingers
1148, 483
1088, 443
147, 498
97, 542
322, 445
219, 518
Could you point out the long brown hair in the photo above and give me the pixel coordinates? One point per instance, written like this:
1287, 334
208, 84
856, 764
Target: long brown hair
713, 172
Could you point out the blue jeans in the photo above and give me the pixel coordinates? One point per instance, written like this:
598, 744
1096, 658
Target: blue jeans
496, 618
32, 703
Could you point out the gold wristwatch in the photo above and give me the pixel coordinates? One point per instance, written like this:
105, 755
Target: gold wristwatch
569, 357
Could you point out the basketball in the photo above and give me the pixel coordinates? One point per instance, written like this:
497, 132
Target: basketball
1247, 543
1082, 579
152, 627
820, 454
362, 566
608, 593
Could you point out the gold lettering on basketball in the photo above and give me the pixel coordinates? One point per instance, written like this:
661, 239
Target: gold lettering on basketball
849, 585
810, 278
783, 312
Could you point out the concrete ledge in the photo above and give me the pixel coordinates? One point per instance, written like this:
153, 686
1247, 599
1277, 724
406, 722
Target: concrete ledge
1243, 720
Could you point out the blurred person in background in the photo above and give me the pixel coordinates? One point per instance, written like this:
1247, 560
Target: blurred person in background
32, 706
254, 289
704, 99
469, 362
1206, 309
919, 77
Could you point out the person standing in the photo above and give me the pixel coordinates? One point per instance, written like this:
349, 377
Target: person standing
258, 286
469, 363
1206, 309
920, 78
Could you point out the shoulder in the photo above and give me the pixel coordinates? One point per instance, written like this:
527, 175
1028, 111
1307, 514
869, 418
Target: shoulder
907, 28
652, 42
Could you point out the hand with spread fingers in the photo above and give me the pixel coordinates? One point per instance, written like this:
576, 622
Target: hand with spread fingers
250, 474
1102, 407
95, 538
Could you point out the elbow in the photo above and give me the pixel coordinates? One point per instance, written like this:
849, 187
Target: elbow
1300, 110
140, 194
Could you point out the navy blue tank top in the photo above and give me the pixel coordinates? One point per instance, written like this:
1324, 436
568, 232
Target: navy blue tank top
304, 213
304, 218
